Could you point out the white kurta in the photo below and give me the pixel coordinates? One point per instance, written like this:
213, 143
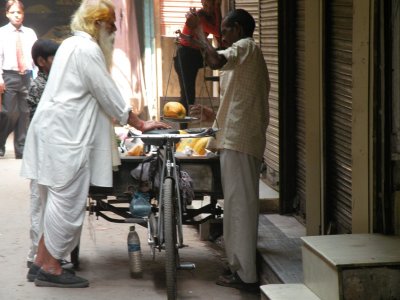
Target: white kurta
71, 126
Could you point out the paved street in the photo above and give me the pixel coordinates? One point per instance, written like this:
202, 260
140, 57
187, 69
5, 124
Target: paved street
103, 256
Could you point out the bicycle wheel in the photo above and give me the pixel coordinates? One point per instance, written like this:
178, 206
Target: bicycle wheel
170, 238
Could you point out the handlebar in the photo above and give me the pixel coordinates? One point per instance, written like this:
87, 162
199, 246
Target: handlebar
163, 134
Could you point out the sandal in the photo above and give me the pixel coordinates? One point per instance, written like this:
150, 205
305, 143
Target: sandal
233, 280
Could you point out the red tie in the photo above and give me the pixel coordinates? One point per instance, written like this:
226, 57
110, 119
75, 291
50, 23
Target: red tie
20, 54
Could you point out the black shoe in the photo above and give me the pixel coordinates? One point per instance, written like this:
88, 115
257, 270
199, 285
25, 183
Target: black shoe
227, 272
64, 280
65, 264
18, 156
34, 270
32, 273
2, 151
234, 281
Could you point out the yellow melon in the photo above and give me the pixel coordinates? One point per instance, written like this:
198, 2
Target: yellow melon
174, 109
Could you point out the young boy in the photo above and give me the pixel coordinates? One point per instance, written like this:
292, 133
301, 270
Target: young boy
43, 52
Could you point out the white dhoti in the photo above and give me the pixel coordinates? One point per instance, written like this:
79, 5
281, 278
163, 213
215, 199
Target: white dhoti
240, 175
38, 202
65, 213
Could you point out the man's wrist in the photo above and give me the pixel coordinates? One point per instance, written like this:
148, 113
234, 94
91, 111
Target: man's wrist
140, 125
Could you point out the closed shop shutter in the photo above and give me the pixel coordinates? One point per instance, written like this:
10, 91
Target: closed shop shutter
338, 115
253, 7
300, 112
269, 46
265, 13
172, 14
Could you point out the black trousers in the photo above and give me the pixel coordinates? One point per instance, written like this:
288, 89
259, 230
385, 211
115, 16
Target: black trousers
187, 63
15, 110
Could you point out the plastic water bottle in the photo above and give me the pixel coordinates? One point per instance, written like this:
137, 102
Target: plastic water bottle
135, 253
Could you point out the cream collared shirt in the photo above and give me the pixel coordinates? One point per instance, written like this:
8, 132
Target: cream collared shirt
243, 115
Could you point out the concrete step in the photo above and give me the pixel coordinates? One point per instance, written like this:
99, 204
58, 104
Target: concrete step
352, 266
279, 249
269, 199
287, 292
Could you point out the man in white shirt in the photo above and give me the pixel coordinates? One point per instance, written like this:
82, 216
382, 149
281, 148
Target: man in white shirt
16, 67
70, 140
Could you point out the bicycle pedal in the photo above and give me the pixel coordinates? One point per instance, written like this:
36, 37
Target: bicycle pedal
187, 266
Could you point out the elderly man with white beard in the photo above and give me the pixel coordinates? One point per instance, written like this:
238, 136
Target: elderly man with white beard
70, 145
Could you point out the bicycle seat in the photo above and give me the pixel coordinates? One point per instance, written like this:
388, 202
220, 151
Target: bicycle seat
162, 131
195, 130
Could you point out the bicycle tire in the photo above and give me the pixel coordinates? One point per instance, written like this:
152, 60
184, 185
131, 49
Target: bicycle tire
171, 251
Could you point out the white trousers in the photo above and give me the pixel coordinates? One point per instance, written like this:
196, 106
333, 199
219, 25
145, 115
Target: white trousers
240, 174
38, 202
64, 214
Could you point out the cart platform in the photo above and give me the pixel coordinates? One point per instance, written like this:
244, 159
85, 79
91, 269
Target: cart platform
112, 203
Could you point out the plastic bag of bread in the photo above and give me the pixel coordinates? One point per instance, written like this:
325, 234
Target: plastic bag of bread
136, 150
197, 145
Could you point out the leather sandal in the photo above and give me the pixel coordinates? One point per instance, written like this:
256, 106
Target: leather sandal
234, 281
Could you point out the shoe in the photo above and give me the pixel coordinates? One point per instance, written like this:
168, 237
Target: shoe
65, 280
29, 263
34, 270
65, 264
18, 156
234, 281
227, 272
2, 151
32, 273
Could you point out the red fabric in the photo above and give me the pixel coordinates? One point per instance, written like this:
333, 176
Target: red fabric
208, 28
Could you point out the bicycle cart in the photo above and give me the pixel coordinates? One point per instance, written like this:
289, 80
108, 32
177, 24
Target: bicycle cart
170, 212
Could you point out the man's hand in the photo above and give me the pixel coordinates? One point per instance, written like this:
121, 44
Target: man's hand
2, 87
192, 19
192, 41
143, 126
201, 112
150, 125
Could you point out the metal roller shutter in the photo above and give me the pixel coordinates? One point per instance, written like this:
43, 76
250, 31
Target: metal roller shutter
300, 111
265, 13
253, 8
172, 14
338, 115
269, 46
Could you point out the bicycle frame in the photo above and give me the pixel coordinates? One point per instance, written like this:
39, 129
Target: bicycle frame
169, 235
169, 170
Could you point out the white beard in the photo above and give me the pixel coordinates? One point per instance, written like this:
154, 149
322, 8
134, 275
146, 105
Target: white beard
106, 43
